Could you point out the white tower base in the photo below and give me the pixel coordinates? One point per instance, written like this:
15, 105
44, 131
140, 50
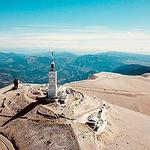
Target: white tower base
52, 87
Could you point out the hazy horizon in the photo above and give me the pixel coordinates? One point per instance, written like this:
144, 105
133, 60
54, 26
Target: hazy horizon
75, 25
77, 52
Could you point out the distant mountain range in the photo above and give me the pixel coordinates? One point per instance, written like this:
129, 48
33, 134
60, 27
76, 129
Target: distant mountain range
132, 69
71, 67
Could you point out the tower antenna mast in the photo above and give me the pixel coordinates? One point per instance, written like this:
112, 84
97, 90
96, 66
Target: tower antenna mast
52, 56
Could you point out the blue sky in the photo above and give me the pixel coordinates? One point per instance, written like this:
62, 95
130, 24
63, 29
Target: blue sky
75, 24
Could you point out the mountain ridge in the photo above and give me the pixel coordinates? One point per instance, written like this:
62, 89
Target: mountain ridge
70, 67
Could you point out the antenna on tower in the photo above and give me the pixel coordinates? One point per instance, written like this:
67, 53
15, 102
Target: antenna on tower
52, 56
52, 63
